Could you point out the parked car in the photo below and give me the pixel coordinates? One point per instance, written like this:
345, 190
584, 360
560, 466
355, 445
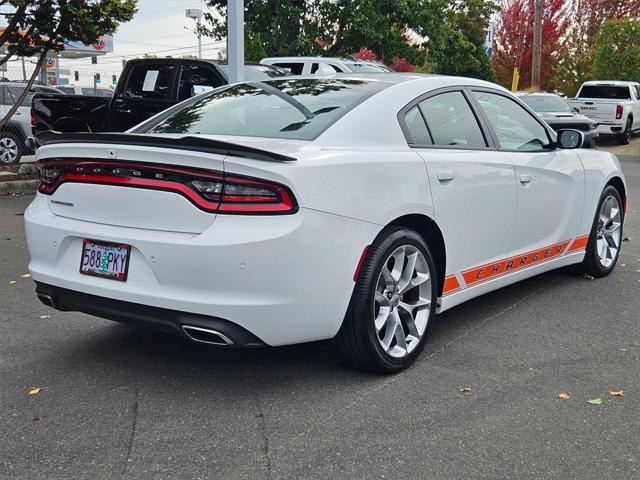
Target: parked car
15, 134
554, 110
614, 105
78, 90
307, 208
325, 65
146, 87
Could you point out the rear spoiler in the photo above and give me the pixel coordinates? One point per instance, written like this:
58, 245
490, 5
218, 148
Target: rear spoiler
188, 142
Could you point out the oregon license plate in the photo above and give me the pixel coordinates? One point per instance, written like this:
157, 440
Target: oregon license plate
105, 259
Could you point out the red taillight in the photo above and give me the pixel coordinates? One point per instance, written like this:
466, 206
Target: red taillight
34, 119
618, 112
208, 190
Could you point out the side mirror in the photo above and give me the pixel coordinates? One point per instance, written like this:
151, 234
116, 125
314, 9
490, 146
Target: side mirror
570, 139
198, 89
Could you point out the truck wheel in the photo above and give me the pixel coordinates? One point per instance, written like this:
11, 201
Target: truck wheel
11, 148
625, 137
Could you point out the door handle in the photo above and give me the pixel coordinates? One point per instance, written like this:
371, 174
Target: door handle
445, 175
525, 178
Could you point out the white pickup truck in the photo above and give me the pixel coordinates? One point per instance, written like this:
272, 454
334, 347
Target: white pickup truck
614, 105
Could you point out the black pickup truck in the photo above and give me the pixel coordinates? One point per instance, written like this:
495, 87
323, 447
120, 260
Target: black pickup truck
146, 87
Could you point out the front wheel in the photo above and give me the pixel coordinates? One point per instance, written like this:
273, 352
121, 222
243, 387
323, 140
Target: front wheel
603, 248
10, 148
393, 303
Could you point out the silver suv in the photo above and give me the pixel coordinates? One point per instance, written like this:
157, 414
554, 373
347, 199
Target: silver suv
15, 133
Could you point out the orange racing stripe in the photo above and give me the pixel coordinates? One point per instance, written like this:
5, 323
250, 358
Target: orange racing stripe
451, 285
579, 243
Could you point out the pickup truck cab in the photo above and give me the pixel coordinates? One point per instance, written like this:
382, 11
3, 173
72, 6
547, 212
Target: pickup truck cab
614, 105
146, 87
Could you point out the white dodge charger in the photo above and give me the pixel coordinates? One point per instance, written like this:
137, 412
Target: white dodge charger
302, 209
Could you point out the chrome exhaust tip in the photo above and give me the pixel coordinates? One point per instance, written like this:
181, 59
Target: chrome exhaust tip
47, 300
206, 335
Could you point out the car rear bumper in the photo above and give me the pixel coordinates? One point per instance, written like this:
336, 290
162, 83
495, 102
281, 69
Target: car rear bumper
286, 279
613, 129
143, 316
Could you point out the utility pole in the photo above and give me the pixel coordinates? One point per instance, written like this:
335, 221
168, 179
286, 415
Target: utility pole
537, 46
196, 14
235, 40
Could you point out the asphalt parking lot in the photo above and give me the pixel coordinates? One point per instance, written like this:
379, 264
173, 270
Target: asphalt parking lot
121, 403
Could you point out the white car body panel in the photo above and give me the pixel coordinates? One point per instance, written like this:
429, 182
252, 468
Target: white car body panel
289, 278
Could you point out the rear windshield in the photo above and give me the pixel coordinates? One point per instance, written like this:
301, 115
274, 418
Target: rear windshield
605, 91
294, 108
546, 103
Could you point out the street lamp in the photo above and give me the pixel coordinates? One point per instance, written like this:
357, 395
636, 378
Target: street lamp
196, 14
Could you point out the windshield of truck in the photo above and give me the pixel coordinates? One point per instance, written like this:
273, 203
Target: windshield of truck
293, 109
610, 92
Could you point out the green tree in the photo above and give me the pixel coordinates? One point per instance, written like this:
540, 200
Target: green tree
391, 28
461, 50
38, 27
617, 52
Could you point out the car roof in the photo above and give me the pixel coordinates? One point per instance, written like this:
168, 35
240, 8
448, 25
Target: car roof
537, 94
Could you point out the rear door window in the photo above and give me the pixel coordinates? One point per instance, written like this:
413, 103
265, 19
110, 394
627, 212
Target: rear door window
451, 121
151, 82
416, 128
196, 75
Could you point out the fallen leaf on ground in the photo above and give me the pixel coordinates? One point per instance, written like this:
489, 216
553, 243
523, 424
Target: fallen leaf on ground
37, 419
564, 396
26, 275
465, 389
12, 282
621, 280
623, 264
621, 349
586, 276
617, 393
595, 401
35, 390
626, 239
42, 317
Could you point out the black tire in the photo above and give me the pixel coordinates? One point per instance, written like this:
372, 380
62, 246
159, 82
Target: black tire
11, 148
625, 137
357, 339
592, 264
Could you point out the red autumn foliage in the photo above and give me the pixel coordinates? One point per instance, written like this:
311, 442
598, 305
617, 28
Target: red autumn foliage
401, 65
514, 39
365, 54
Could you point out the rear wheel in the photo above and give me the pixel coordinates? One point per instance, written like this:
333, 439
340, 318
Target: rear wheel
603, 248
393, 303
625, 137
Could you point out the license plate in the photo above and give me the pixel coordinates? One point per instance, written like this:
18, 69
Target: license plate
105, 259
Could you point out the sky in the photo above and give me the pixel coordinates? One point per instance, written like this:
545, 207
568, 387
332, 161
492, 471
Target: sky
160, 27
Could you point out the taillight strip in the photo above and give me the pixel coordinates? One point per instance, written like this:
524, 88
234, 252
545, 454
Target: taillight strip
180, 180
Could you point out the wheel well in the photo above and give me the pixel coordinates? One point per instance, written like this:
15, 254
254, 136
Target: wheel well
616, 182
428, 230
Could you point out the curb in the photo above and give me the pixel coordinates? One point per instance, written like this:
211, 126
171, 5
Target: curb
19, 187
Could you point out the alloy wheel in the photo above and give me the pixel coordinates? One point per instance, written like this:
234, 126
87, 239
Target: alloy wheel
608, 233
8, 150
402, 301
